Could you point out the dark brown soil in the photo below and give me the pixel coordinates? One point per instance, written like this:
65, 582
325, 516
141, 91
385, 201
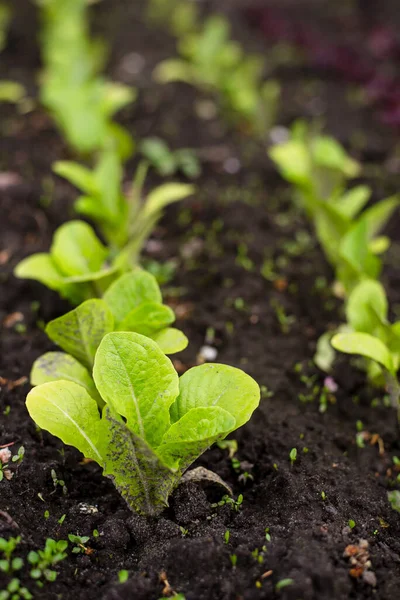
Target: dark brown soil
305, 506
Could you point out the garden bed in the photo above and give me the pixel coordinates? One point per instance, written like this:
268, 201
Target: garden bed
295, 515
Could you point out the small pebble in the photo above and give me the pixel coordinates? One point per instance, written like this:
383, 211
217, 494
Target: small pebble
207, 353
232, 165
87, 509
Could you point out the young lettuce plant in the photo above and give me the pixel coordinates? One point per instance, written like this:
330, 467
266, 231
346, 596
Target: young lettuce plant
78, 265
367, 314
373, 349
318, 167
81, 101
213, 62
154, 424
132, 303
125, 220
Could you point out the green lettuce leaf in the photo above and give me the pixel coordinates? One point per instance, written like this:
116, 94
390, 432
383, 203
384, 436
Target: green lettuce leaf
129, 291
137, 380
80, 331
53, 366
170, 340
66, 410
217, 385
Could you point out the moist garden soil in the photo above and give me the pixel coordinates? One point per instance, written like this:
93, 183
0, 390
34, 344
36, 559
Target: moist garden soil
293, 523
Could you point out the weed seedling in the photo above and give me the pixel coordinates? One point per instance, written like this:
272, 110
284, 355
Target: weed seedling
80, 542
58, 483
293, 456
123, 576
15, 591
42, 561
227, 500
283, 583
8, 564
227, 536
233, 559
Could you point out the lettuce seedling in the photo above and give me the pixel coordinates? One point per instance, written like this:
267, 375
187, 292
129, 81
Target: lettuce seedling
372, 348
132, 303
367, 313
213, 62
125, 220
318, 167
81, 101
154, 424
78, 265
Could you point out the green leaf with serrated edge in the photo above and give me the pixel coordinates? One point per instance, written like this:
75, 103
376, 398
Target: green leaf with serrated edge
148, 318
163, 195
365, 345
81, 177
353, 201
171, 340
138, 473
131, 290
76, 249
138, 381
66, 410
196, 431
217, 385
53, 366
80, 331
367, 306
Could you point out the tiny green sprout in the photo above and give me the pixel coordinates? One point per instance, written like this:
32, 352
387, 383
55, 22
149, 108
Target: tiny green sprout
396, 460
352, 524
267, 534
230, 445
394, 499
46, 514
123, 576
183, 531
58, 482
235, 464
19, 457
293, 455
323, 495
79, 541
285, 321
359, 426
265, 392
275, 466
233, 559
95, 533
227, 500
227, 535
61, 519
305, 450
283, 583
239, 304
